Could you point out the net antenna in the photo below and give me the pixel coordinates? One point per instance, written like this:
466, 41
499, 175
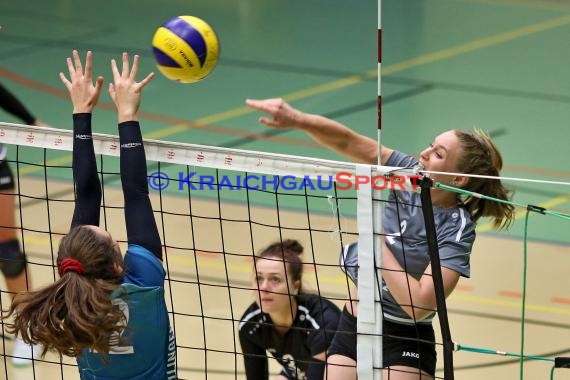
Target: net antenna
369, 209
377, 224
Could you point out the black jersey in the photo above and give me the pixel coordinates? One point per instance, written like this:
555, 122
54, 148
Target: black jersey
311, 333
12, 105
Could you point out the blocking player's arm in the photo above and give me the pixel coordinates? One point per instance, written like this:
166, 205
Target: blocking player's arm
126, 93
139, 217
85, 177
83, 94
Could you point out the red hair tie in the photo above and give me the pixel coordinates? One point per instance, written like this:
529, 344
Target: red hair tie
70, 265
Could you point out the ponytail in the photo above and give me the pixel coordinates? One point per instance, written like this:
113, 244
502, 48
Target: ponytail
76, 312
68, 316
481, 156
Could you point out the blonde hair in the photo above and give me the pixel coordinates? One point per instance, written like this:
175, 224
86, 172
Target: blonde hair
480, 156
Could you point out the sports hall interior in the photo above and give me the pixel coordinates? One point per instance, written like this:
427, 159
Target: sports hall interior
498, 65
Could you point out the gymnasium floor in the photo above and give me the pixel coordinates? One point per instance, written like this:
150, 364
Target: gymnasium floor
498, 65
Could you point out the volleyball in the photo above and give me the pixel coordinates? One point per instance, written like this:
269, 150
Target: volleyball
186, 49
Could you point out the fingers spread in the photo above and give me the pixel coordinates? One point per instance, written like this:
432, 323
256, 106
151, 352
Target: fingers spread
269, 122
112, 91
125, 73
98, 84
135, 68
78, 65
115, 70
271, 106
70, 67
64, 80
145, 81
258, 105
88, 65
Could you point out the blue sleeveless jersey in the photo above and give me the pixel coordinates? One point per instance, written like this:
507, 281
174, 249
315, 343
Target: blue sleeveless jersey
148, 347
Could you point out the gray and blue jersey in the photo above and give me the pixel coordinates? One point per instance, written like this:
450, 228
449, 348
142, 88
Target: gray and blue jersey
139, 356
405, 236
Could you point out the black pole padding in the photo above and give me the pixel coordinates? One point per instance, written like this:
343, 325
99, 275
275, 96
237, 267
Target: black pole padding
431, 235
561, 362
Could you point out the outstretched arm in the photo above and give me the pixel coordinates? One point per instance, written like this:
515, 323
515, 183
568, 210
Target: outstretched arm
139, 217
325, 131
84, 95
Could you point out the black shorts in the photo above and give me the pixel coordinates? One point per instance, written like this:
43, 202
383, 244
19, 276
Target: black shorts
410, 345
344, 340
403, 345
6, 177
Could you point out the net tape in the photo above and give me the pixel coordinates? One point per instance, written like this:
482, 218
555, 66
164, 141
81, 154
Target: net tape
197, 155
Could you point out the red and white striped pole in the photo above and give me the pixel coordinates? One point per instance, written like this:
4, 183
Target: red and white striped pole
379, 77
369, 322
377, 221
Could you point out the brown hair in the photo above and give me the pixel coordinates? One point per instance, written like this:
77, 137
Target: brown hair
289, 251
481, 156
75, 312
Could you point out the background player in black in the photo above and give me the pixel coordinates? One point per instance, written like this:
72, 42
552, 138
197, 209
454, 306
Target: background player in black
12, 259
295, 327
11, 104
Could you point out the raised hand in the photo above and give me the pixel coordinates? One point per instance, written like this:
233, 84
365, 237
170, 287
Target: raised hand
126, 91
282, 114
83, 93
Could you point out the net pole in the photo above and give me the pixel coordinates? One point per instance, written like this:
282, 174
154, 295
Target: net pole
366, 322
433, 250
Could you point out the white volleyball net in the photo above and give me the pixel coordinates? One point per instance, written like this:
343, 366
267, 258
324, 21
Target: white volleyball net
215, 209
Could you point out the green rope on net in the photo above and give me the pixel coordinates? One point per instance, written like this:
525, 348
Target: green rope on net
461, 347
